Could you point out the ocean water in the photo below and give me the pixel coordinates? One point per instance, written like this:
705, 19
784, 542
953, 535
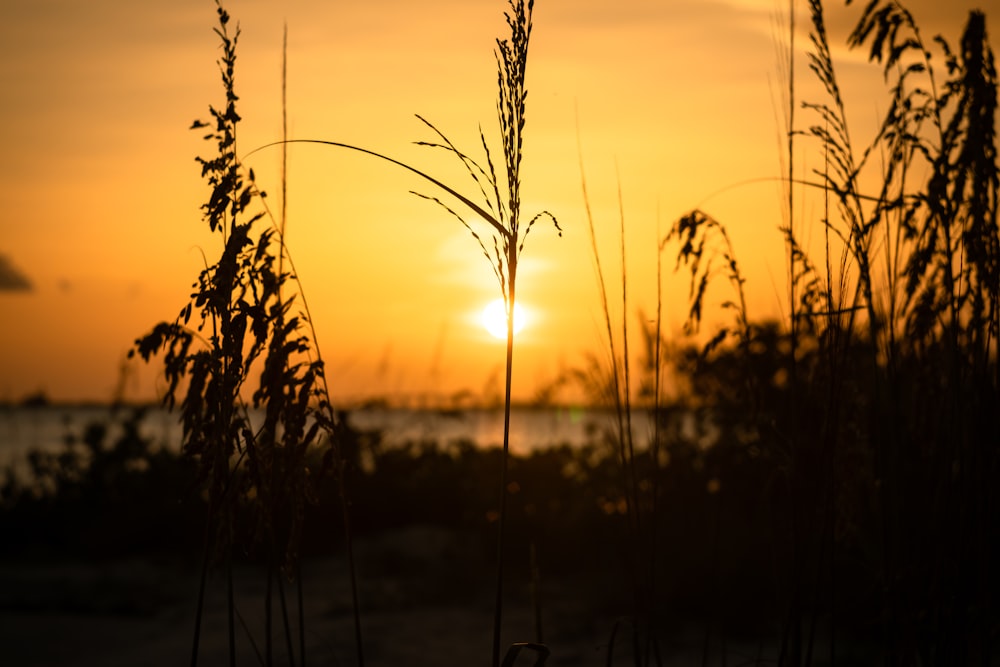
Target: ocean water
47, 428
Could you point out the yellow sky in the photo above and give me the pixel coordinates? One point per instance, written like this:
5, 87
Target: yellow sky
100, 193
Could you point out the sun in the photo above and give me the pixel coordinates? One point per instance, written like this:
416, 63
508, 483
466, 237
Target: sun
494, 318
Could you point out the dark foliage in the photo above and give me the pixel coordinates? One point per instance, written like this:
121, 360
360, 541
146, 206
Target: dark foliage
869, 420
100, 499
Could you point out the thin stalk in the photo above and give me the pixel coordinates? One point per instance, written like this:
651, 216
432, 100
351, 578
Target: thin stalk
268, 611
352, 569
283, 236
230, 600
620, 391
628, 444
284, 617
640, 594
475, 208
202, 580
284, 139
501, 521
605, 306
656, 444
793, 339
302, 616
791, 189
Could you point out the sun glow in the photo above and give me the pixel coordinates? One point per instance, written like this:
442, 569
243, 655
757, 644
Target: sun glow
494, 318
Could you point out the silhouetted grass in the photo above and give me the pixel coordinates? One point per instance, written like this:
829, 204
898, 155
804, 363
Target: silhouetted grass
505, 231
241, 295
875, 416
825, 481
862, 418
256, 476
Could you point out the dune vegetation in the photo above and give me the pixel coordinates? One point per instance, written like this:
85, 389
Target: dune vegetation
818, 489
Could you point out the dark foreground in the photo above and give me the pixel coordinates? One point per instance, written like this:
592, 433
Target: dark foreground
101, 550
420, 606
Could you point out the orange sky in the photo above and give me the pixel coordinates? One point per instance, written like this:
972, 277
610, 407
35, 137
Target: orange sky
100, 194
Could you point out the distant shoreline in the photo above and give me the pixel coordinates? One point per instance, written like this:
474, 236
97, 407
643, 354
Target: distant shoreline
40, 401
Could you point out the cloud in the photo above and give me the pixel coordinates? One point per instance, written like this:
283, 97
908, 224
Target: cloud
11, 278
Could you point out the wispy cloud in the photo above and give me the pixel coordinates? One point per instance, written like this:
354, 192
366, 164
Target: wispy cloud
11, 278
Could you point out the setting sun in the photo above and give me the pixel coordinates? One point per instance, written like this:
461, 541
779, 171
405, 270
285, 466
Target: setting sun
494, 318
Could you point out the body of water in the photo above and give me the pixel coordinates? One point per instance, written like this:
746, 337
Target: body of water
48, 428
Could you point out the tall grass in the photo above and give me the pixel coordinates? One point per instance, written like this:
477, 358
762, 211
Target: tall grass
246, 319
610, 382
885, 438
257, 477
615, 388
872, 406
497, 224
